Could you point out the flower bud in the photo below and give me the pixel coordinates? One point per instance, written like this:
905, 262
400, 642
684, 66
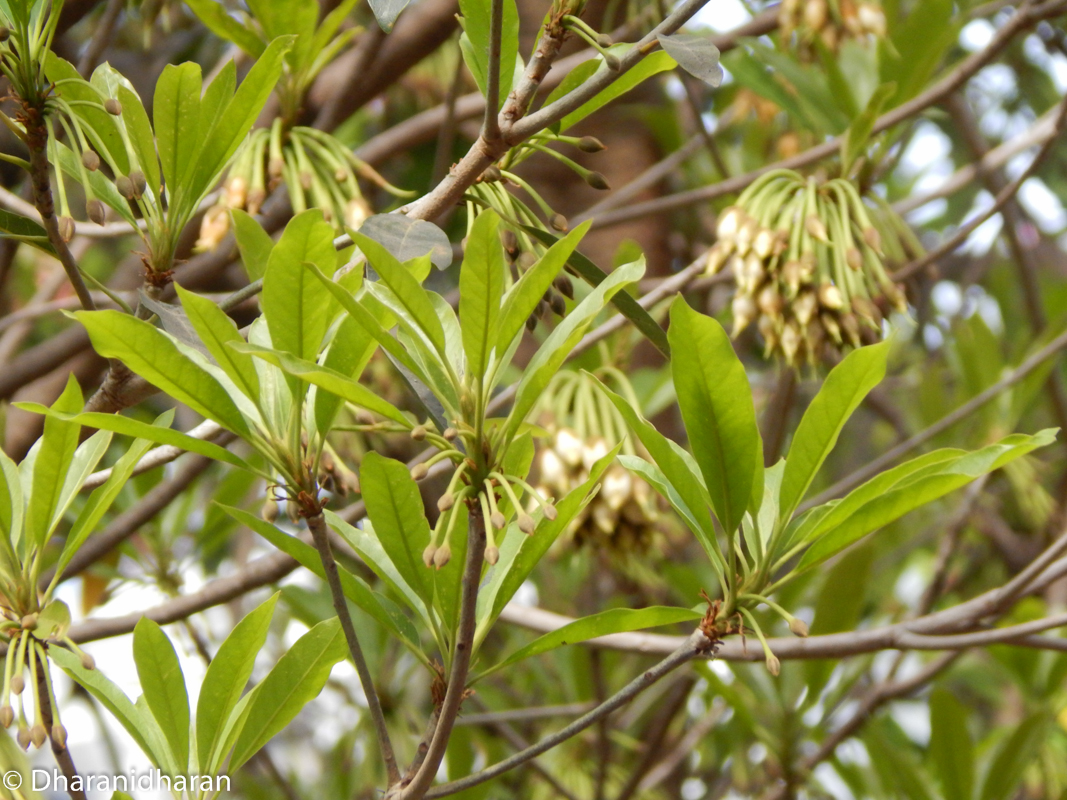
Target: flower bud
269, 512
5, 34
364, 417
871, 19
125, 187
498, 520
729, 223
798, 627
29, 622
591, 144
23, 738
7, 716
854, 258
88, 662
774, 666
873, 239
526, 523
419, 471
66, 228
90, 160
564, 286
763, 245
492, 174
94, 210
442, 556
446, 502
604, 40
611, 61
510, 242
59, 736
559, 223
139, 182
256, 196
236, 192
18, 683
816, 227
744, 310
568, 447
830, 297
450, 434
550, 512
276, 167
428, 554
597, 181
557, 304
492, 554
113, 106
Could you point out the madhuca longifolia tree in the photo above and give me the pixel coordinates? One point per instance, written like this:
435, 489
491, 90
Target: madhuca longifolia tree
304, 364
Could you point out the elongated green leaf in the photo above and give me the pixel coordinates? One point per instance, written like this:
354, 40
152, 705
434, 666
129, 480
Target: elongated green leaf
216, 331
380, 608
24, 229
220, 23
1012, 757
951, 747
234, 120
176, 114
562, 340
481, 285
254, 243
681, 473
163, 685
623, 301
844, 389
716, 403
476, 29
54, 456
616, 620
298, 308
142, 430
296, 679
407, 290
88, 106
11, 511
103, 496
394, 506
137, 720
154, 356
139, 129
227, 676
325, 378
350, 351
650, 65
873, 506
523, 297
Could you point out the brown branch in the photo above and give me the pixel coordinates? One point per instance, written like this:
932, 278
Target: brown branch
59, 749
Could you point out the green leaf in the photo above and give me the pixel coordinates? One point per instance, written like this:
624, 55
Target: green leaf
137, 721
547, 360
1015, 753
24, 229
476, 29
296, 305
163, 685
253, 242
142, 430
716, 404
155, 356
102, 497
885, 499
216, 331
650, 65
386, 11
296, 679
234, 121
226, 679
220, 23
523, 297
951, 748
408, 238
481, 285
326, 378
394, 507
623, 301
679, 470
140, 131
616, 620
696, 54
413, 299
844, 389
100, 126
350, 351
176, 114
54, 455
355, 589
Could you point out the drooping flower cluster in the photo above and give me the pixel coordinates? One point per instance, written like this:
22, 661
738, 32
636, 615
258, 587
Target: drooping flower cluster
808, 258
830, 21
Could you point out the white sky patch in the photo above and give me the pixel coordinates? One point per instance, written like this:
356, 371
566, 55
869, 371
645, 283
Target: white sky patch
827, 776
976, 35
723, 15
1042, 205
1054, 64
913, 716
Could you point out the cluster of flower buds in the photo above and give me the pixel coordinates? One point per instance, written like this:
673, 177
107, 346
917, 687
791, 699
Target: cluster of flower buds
28, 639
809, 260
317, 169
623, 518
830, 21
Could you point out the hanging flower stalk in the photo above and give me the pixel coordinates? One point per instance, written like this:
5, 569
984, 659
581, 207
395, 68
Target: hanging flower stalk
809, 259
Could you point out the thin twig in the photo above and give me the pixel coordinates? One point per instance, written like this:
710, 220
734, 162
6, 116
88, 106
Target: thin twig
319, 531
59, 749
